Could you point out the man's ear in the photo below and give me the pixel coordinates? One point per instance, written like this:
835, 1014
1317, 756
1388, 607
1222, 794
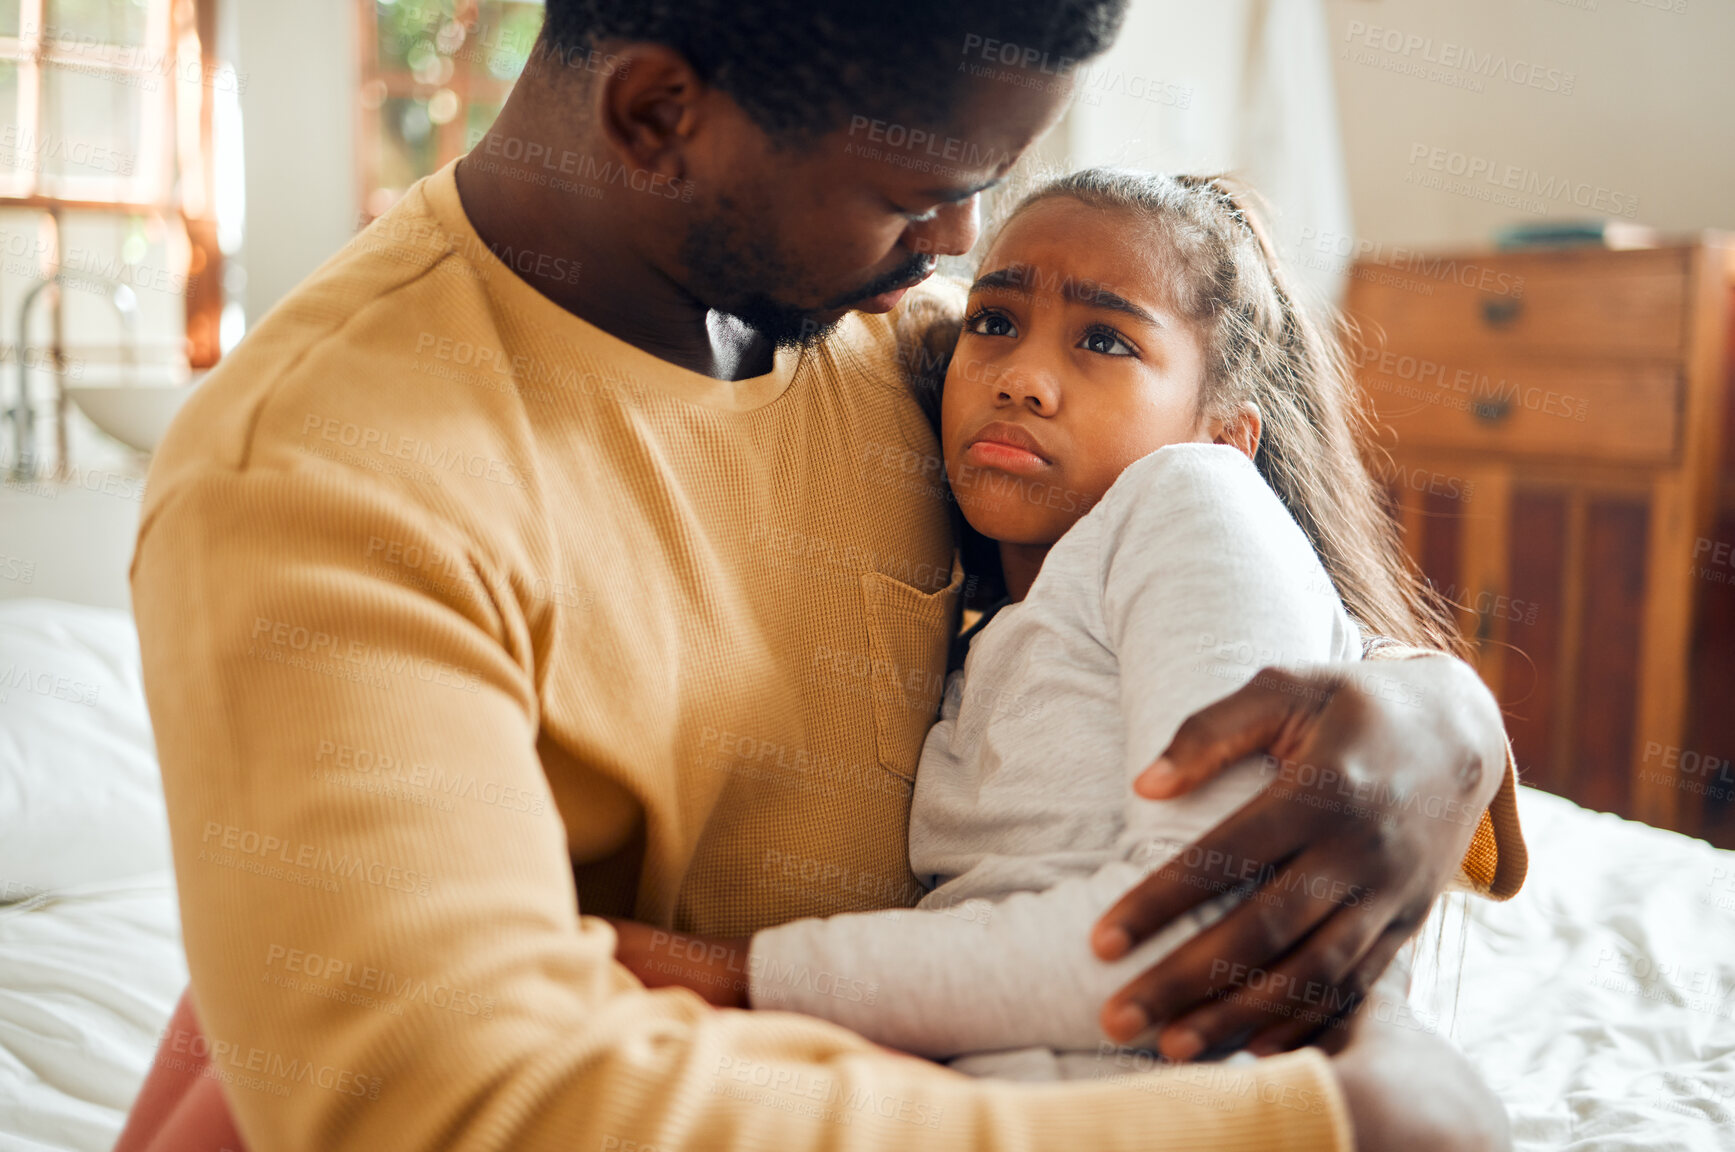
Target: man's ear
1240, 428
648, 107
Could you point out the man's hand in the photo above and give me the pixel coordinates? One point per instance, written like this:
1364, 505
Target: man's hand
1379, 773
1407, 1091
715, 969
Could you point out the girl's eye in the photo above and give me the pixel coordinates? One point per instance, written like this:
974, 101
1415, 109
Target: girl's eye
920, 217
989, 324
1105, 341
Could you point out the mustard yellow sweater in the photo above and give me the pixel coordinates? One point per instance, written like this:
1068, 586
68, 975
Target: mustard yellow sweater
460, 615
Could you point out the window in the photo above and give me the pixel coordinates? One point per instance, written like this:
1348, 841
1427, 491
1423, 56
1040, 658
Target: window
116, 203
110, 113
434, 75
85, 100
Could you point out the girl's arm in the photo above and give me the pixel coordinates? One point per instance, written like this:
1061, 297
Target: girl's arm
1204, 578
714, 968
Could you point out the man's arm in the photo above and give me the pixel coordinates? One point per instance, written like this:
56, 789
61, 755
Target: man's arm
375, 972
1412, 1091
1191, 542
1495, 863
1386, 769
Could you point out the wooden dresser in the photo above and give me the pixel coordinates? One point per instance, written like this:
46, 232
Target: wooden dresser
1554, 421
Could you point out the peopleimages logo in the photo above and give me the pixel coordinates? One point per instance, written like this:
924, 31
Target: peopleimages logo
1476, 175
317, 645
139, 66
54, 685
1455, 58
246, 843
181, 1049
24, 149
540, 158
435, 458
1347, 251
864, 131
367, 978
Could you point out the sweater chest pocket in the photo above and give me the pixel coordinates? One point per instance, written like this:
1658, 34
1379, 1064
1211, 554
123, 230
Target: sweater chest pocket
908, 633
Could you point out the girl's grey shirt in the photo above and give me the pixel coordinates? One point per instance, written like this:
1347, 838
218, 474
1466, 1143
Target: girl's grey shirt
1186, 579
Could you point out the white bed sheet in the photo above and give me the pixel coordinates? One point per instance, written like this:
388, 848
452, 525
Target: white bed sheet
88, 978
1599, 1003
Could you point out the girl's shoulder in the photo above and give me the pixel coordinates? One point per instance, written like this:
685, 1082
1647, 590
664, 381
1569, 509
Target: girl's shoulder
1182, 481
1197, 508
1161, 494
1199, 522
1183, 463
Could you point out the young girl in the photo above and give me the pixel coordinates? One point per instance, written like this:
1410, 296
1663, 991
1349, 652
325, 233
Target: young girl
1158, 444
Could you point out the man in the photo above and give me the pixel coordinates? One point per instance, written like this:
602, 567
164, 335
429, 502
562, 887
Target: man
558, 547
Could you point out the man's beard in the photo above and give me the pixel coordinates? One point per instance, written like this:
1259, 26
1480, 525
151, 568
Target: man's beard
737, 276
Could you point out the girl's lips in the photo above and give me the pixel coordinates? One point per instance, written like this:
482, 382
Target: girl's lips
1004, 457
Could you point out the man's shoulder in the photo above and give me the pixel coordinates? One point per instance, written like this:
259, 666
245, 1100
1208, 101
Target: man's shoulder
925, 320
347, 371
925, 328
897, 359
939, 299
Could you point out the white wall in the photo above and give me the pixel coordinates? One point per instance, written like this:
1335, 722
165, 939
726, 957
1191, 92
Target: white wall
298, 112
1240, 86
1651, 113
73, 541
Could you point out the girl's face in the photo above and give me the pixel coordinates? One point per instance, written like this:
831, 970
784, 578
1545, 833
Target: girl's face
1071, 366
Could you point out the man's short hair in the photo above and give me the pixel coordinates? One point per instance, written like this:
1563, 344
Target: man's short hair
802, 68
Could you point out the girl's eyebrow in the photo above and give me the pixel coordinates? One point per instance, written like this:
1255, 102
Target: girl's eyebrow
1027, 280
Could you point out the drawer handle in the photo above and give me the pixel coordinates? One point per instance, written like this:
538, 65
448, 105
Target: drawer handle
1501, 313
1491, 410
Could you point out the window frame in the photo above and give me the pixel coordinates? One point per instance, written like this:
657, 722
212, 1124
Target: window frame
154, 65
176, 124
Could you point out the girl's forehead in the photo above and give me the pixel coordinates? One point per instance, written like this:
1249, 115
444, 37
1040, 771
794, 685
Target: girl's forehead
1061, 241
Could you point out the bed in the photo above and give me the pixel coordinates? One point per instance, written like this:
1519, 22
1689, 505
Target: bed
90, 952
1599, 1003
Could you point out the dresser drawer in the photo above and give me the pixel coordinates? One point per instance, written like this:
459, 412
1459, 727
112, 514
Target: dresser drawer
1582, 304
1623, 412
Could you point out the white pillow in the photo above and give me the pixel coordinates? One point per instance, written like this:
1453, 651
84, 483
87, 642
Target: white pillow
80, 796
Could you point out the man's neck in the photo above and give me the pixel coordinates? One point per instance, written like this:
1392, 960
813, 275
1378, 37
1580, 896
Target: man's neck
616, 288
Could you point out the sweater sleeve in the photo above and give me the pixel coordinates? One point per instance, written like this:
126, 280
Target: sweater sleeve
463, 1001
1497, 860
1204, 579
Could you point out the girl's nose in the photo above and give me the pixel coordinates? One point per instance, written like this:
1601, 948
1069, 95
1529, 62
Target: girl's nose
1029, 386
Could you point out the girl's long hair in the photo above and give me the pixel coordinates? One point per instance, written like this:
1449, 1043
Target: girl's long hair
1221, 272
